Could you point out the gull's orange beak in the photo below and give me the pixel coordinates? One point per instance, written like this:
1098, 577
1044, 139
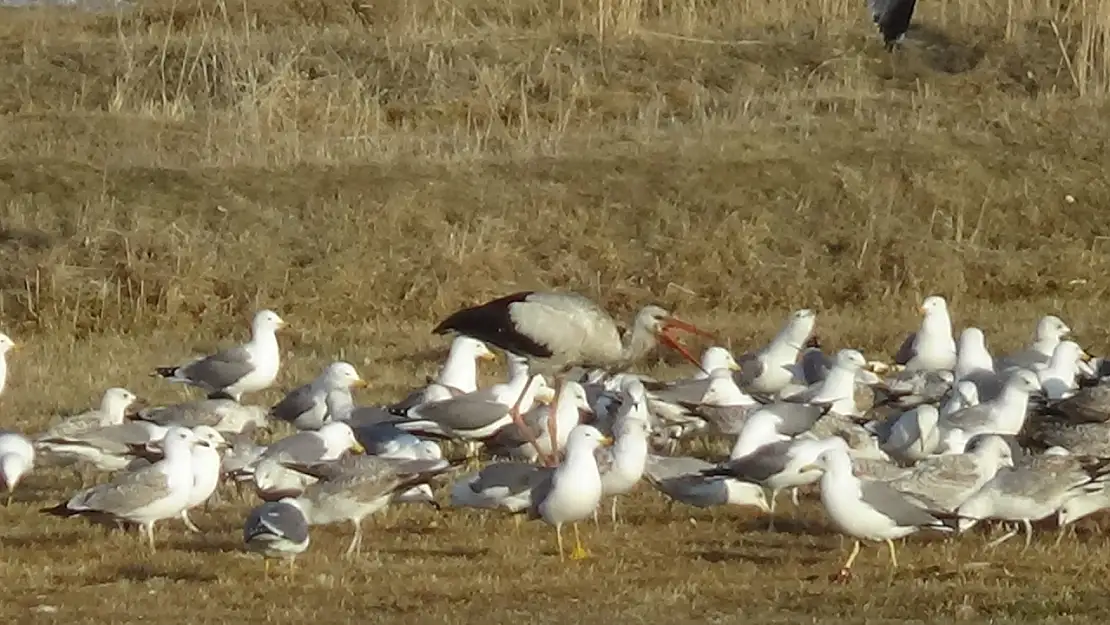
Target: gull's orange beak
667, 339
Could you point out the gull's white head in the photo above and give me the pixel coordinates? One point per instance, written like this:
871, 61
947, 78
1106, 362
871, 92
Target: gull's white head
267, 321
341, 375
1024, 381
934, 305
1051, 328
586, 438
993, 447
475, 347
177, 440
6, 344
339, 435
798, 327
208, 436
116, 400
850, 359
716, 357
575, 395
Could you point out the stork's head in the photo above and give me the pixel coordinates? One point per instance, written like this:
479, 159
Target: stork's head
663, 325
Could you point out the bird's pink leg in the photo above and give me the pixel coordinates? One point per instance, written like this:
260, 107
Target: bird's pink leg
518, 419
552, 426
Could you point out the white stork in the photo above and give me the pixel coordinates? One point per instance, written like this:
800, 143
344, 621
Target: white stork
558, 331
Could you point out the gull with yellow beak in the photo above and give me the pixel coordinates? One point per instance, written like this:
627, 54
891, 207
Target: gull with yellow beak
932, 347
307, 407
230, 372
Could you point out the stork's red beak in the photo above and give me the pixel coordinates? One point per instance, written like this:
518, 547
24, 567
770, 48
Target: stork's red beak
667, 339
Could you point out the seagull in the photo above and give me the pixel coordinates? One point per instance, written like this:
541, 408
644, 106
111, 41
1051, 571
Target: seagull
273, 481
932, 346
1004, 414
681, 478
838, 389
243, 369
771, 369
458, 376
1058, 377
226, 416
622, 465
973, 361
109, 448
277, 529
914, 435
574, 488
941, 483
865, 509
510, 441
1049, 332
964, 395
17, 458
145, 496
111, 411
306, 406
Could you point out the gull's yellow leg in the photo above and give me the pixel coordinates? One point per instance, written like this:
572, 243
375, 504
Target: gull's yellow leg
893, 558
579, 552
292, 568
559, 538
266, 569
10, 493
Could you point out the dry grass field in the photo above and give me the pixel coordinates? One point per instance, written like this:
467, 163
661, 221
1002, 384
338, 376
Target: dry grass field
365, 167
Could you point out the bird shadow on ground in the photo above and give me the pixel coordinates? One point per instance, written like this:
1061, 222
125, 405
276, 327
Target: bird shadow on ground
71, 539
465, 553
205, 545
793, 527
149, 572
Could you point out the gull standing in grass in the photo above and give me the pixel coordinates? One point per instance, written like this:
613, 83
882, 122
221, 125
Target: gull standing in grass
354, 487
277, 529
306, 407
864, 509
622, 465
242, 369
1033, 489
6, 345
574, 489
509, 441
226, 416
17, 458
145, 496
932, 346
771, 369
206, 464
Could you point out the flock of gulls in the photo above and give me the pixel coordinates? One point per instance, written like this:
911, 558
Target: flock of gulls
946, 437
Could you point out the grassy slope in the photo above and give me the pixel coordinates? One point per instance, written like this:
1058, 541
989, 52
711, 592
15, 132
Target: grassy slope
366, 168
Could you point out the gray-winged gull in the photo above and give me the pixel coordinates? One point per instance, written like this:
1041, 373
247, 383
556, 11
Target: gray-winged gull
111, 411
942, 483
864, 509
226, 416
1004, 414
273, 481
145, 496
458, 376
771, 369
306, 407
1049, 332
681, 479
242, 369
1059, 378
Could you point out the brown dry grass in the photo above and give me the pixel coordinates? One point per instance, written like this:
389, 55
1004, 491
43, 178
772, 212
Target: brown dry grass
365, 167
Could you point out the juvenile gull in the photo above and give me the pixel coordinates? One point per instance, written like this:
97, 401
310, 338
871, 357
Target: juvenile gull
1033, 489
932, 346
306, 407
942, 483
242, 369
354, 487
109, 448
17, 458
681, 478
277, 529
771, 369
145, 496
